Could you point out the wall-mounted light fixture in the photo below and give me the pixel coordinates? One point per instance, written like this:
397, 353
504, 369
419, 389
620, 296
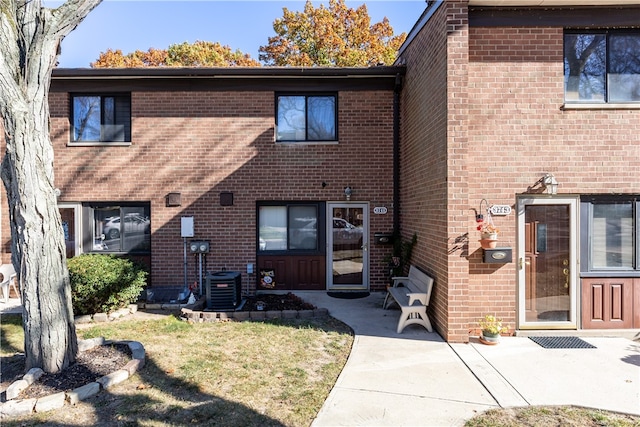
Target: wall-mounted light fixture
550, 183
347, 192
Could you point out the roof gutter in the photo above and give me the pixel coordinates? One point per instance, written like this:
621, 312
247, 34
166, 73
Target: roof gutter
222, 72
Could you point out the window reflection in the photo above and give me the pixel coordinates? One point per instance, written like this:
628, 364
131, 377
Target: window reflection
306, 118
602, 66
612, 236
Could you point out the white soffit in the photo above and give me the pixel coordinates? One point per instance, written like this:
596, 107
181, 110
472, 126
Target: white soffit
550, 3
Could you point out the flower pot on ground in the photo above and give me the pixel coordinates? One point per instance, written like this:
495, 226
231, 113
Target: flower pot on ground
491, 329
489, 338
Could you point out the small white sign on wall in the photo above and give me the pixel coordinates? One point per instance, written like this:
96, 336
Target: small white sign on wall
380, 210
500, 210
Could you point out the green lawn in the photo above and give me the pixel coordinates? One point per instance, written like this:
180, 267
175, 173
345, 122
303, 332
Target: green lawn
226, 373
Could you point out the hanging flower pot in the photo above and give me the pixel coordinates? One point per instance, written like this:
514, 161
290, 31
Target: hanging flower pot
489, 243
488, 233
489, 236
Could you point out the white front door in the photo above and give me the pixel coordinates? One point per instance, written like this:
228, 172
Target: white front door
547, 262
347, 246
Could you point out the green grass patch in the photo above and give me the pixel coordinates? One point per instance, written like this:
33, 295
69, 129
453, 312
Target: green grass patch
11, 334
226, 373
531, 416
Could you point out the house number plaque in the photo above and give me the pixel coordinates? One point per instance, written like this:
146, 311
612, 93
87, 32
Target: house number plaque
380, 210
500, 210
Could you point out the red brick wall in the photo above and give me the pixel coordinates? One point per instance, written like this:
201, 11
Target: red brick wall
519, 131
202, 143
425, 165
482, 118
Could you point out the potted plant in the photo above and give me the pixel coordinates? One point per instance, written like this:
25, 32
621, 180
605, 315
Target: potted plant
491, 329
488, 233
401, 256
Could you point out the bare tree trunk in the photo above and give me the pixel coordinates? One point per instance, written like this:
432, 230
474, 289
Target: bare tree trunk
29, 39
37, 247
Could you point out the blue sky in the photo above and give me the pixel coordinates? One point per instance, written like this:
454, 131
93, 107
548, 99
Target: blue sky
244, 25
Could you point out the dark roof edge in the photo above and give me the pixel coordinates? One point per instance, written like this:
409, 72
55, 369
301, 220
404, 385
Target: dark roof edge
431, 8
225, 72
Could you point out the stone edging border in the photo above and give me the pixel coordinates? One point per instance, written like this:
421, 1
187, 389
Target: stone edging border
105, 317
196, 313
191, 315
16, 407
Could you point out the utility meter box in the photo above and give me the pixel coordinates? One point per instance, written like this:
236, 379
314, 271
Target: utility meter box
186, 226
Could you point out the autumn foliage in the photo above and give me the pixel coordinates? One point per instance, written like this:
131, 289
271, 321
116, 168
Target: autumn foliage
333, 36
336, 36
198, 54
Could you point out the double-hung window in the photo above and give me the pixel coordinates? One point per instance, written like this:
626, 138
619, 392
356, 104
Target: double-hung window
610, 238
293, 226
306, 117
101, 118
602, 66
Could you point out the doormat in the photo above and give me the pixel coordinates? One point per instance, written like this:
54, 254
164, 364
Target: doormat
348, 295
561, 342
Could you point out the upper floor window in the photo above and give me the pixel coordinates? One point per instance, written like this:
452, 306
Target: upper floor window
602, 66
301, 118
101, 118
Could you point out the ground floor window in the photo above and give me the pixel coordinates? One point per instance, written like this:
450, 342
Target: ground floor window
610, 238
117, 227
290, 226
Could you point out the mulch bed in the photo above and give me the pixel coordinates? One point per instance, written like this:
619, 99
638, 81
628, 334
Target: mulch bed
88, 367
276, 302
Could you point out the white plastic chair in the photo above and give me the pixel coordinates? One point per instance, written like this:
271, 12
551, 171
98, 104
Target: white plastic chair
8, 279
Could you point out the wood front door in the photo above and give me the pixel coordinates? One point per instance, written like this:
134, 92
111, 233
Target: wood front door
547, 258
607, 303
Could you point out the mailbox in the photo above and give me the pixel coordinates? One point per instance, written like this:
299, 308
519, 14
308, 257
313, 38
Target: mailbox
383, 238
498, 255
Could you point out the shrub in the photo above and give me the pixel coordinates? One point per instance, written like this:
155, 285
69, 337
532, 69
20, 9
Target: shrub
104, 283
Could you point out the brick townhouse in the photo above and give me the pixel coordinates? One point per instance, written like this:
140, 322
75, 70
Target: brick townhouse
243, 170
528, 110
501, 101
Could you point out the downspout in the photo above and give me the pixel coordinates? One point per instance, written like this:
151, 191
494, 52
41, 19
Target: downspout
396, 156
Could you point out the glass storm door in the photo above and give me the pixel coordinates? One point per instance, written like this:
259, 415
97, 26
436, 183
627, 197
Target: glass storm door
347, 246
71, 227
547, 263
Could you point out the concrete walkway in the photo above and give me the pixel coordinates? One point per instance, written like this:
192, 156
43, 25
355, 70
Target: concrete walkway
417, 379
